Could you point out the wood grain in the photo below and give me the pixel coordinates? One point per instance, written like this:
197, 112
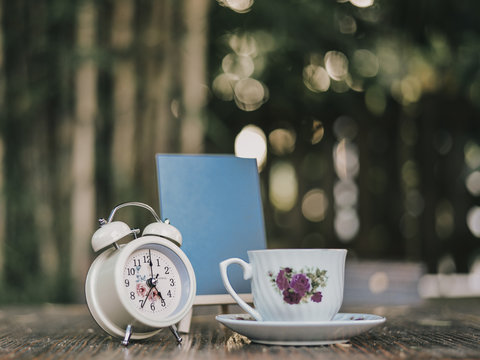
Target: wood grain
431, 330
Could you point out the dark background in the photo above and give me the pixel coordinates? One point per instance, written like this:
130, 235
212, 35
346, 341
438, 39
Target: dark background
90, 91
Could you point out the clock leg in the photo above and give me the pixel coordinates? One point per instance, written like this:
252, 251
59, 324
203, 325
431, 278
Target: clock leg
128, 334
174, 331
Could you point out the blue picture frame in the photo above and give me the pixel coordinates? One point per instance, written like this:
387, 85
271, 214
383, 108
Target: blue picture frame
215, 201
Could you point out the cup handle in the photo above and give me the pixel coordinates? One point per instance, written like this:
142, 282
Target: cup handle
247, 274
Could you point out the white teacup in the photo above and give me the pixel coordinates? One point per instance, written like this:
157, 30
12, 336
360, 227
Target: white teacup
291, 284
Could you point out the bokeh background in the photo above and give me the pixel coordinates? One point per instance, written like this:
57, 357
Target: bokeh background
364, 117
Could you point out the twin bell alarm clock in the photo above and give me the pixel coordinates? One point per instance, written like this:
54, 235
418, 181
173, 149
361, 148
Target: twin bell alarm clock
136, 289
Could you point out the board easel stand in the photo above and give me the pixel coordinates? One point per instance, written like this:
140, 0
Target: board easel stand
223, 300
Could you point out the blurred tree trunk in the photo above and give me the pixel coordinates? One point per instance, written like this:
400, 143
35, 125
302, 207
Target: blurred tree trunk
35, 148
159, 76
89, 92
124, 98
21, 267
156, 127
3, 208
193, 72
83, 147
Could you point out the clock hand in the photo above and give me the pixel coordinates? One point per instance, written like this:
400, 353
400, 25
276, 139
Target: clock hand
146, 297
152, 283
150, 261
159, 294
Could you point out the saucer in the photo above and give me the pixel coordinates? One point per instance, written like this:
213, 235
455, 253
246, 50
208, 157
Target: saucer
300, 333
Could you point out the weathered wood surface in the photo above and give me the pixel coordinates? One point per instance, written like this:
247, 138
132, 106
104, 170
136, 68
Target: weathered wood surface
435, 329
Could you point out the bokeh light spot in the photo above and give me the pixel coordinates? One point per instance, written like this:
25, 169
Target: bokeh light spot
446, 265
411, 89
346, 224
473, 183
282, 141
347, 24
241, 66
175, 108
252, 143
472, 155
315, 205
354, 83
345, 157
378, 282
407, 90
243, 45
250, 94
317, 131
336, 64
316, 78
239, 6
362, 3
365, 63
389, 59
283, 189
345, 193
473, 221
223, 85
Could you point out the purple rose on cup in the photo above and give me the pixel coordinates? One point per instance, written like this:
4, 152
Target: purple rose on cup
317, 297
291, 297
300, 284
282, 281
297, 287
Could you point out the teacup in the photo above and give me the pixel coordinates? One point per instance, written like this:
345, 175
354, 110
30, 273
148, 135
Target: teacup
291, 284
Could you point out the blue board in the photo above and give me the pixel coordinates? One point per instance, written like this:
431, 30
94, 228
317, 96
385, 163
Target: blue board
215, 202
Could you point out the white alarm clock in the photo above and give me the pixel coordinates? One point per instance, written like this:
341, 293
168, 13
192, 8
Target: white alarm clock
136, 289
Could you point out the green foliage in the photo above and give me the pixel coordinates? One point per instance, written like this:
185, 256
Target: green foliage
413, 74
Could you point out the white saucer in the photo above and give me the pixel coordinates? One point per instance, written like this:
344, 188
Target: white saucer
339, 330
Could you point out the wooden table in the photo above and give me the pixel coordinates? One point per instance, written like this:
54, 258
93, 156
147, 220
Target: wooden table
434, 329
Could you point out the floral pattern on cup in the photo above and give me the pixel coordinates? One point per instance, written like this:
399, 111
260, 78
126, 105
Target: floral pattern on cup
299, 286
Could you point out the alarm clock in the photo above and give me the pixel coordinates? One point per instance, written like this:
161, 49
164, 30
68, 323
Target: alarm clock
135, 289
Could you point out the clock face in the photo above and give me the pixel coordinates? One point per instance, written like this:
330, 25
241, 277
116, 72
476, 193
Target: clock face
152, 283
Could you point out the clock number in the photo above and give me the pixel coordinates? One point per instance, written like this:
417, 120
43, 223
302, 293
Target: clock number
152, 306
172, 282
146, 259
167, 270
158, 262
131, 271
163, 303
136, 262
127, 283
132, 295
169, 293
